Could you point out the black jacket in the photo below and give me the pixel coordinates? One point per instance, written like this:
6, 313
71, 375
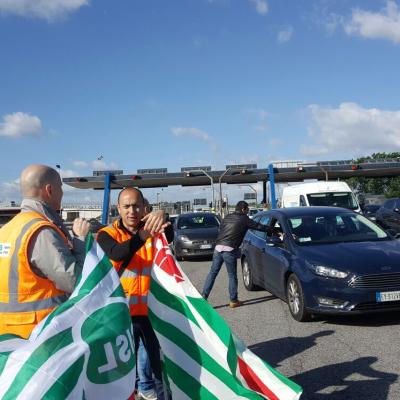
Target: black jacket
233, 228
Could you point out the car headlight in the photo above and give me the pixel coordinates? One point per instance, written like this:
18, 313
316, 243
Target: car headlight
184, 238
328, 272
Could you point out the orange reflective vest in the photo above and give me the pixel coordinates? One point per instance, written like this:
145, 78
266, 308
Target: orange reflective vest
25, 298
135, 278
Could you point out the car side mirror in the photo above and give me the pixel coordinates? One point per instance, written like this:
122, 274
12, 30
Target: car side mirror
273, 241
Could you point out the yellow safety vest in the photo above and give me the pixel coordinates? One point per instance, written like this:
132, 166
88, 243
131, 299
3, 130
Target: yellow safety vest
135, 278
25, 298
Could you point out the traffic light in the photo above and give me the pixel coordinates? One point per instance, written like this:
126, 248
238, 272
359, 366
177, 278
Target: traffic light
136, 177
355, 167
300, 168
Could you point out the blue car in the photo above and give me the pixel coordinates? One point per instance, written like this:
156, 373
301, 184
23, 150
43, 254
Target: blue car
327, 260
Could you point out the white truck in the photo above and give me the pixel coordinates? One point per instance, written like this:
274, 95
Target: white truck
321, 193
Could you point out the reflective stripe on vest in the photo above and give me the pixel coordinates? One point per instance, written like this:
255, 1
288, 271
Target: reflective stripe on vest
135, 278
133, 273
134, 300
38, 305
13, 304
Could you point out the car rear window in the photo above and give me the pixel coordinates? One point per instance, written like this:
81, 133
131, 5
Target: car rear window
198, 221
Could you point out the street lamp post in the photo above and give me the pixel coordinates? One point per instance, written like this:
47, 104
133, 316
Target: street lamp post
323, 170
158, 203
211, 181
252, 188
220, 190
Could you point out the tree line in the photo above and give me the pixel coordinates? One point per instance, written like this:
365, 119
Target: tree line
389, 187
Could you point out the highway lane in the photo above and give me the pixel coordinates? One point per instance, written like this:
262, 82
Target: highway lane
334, 358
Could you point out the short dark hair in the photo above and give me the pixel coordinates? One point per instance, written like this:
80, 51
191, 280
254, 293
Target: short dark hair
241, 205
131, 188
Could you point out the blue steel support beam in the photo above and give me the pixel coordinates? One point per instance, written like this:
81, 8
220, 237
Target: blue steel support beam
272, 184
106, 198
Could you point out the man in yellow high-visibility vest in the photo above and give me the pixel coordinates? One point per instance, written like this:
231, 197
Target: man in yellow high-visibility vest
39, 261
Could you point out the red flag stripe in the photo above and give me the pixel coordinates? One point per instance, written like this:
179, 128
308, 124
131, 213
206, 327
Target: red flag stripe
253, 381
166, 261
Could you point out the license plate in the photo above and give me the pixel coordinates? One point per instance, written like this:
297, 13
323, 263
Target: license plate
205, 246
388, 296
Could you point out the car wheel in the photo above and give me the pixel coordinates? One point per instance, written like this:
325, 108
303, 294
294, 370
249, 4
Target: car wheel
295, 299
248, 276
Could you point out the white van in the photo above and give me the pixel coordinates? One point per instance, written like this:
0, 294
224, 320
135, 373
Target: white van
321, 193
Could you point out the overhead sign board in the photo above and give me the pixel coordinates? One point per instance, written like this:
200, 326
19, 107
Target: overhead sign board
112, 172
152, 171
242, 166
188, 169
249, 196
199, 202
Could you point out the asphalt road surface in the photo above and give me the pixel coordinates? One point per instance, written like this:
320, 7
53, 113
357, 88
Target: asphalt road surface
353, 357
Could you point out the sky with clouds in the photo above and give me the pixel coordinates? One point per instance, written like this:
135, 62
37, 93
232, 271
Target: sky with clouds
134, 84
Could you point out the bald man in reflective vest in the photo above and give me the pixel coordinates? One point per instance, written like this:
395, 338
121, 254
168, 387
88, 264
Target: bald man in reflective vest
39, 261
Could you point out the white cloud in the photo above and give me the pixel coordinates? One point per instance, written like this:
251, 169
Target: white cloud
20, 124
46, 9
285, 34
10, 191
195, 133
260, 113
261, 6
381, 25
332, 21
352, 130
100, 165
97, 165
68, 173
80, 164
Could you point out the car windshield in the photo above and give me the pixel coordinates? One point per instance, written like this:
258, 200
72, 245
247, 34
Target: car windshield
335, 199
198, 221
334, 228
253, 212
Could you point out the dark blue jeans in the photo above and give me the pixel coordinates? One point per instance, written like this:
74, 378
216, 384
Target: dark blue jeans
143, 330
144, 371
230, 259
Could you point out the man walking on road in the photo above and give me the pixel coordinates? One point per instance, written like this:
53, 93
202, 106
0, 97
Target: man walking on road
231, 233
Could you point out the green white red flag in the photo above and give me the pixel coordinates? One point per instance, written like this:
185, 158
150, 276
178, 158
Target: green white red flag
82, 350
203, 359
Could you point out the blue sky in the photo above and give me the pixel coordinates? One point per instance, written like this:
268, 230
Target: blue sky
153, 83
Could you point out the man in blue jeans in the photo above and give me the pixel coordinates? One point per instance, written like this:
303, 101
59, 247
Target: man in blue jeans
231, 233
146, 386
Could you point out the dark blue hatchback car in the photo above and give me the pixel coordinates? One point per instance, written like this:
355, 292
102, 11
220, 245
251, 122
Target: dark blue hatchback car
328, 260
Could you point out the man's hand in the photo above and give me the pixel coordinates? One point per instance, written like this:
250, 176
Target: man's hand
80, 227
154, 222
277, 232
